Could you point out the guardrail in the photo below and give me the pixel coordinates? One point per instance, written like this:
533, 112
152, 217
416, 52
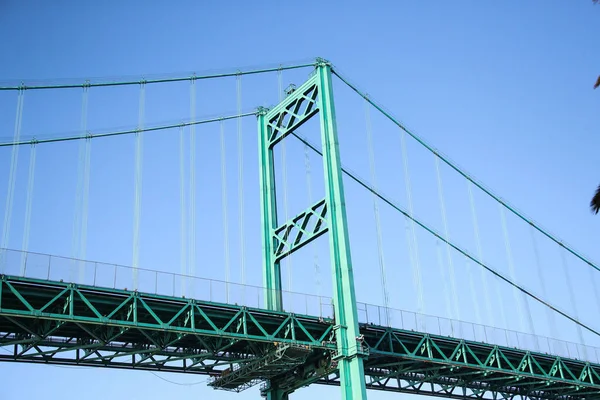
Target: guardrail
57, 268
114, 276
411, 321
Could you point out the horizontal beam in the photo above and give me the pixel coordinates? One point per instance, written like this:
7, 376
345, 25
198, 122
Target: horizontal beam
300, 230
293, 111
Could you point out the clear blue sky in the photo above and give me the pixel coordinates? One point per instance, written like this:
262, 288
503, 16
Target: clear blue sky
503, 88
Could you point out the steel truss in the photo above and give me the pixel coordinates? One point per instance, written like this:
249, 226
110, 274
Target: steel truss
63, 323
57, 322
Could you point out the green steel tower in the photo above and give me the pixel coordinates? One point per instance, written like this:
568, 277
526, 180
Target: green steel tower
315, 96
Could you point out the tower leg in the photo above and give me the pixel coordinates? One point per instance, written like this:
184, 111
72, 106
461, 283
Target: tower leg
349, 351
277, 395
274, 393
271, 270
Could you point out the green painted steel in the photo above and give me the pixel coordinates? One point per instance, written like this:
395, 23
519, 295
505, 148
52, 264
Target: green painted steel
279, 242
63, 323
49, 322
313, 97
271, 268
301, 230
413, 362
396, 206
349, 349
274, 393
283, 358
293, 111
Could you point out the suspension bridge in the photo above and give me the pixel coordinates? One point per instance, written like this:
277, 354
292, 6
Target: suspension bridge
428, 283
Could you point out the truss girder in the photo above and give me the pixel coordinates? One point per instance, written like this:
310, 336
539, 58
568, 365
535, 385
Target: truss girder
62, 323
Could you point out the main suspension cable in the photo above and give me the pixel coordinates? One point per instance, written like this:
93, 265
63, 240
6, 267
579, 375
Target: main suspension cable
131, 131
433, 232
379, 108
249, 71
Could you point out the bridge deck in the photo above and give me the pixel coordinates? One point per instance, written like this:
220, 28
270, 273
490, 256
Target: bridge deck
63, 323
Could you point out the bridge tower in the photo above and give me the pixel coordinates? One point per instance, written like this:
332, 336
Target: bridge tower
314, 97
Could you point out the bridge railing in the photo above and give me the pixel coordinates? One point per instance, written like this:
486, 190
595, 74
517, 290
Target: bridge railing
120, 277
411, 321
56, 268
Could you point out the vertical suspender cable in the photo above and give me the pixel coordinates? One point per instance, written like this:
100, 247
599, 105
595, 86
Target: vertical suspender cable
240, 149
138, 185
412, 240
83, 187
525, 300
224, 207
474, 297
81, 166
280, 85
440, 261
12, 175
28, 202
85, 200
594, 286
382, 271
511, 268
76, 235
452, 277
538, 267
310, 201
182, 211
575, 314
486, 293
288, 259
191, 265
